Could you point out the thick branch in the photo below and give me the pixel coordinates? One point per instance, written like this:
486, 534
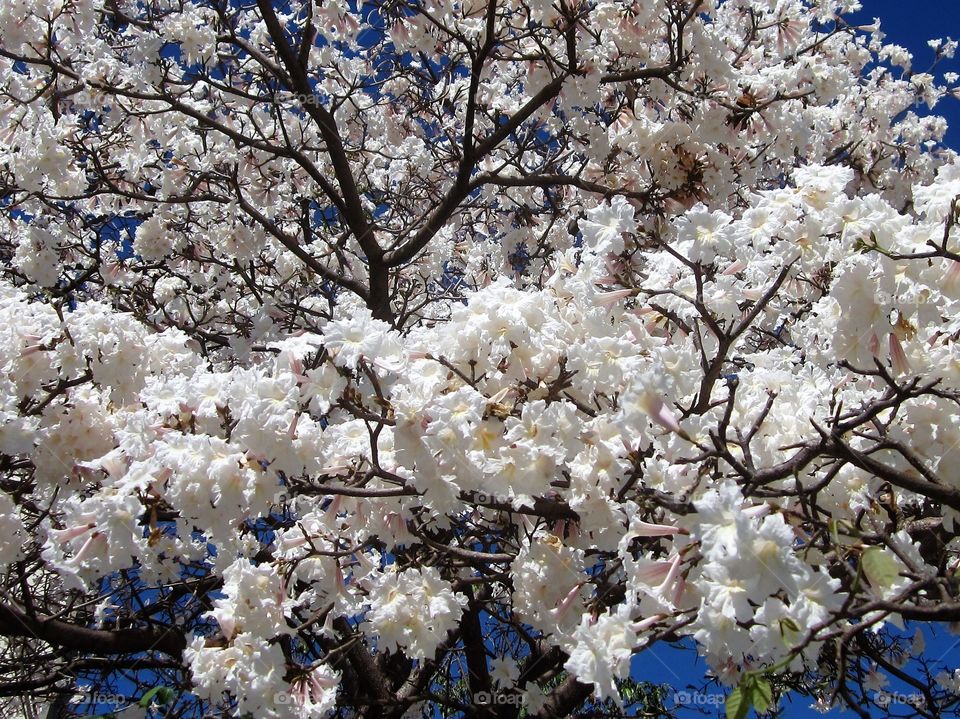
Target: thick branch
364, 665
565, 699
353, 212
16, 623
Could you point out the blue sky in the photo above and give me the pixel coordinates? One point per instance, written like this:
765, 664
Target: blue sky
686, 673
911, 23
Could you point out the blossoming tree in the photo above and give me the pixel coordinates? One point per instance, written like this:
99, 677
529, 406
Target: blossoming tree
404, 357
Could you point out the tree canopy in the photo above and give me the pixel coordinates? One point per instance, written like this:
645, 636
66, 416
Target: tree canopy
421, 358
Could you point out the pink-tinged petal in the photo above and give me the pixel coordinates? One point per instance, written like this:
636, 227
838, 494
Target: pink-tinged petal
678, 591
899, 358
623, 121
735, 268
396, 524
333, 509
674, 572
298, 691
662, 415
112, 272
336, 469
399, 31
952, 275
388, 365
502, 395
341, 585
564, 606
89, 547
294, 542
874, 345
163, 475
114, 466
756, 511
639, 528
608, 299
644, 624
654, 573
60, 536
320, 681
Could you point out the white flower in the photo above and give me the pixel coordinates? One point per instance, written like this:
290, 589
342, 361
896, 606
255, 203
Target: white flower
250, 668
949, 680
600, 651
412, 610
548, 589
253, 601
935, 200
703, 236
504, 671
11, 531
724, 525
315, 693
604, 227
349, 339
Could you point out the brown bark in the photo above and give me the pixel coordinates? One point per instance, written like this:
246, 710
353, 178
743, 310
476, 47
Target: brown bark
16, 623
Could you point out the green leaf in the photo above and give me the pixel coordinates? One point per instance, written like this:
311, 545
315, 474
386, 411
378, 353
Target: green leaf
762, 695
738, 703
790, 624
163, 694
789, 631
880, 566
